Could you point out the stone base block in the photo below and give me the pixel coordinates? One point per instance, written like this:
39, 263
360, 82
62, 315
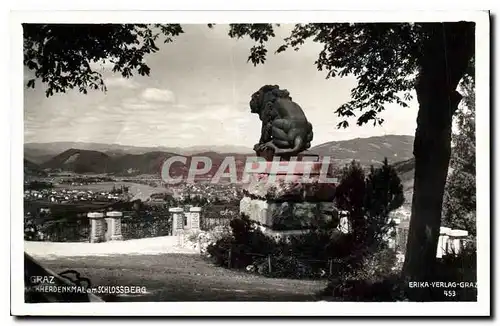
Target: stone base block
280, 188
290, 215
291, 181
283, 234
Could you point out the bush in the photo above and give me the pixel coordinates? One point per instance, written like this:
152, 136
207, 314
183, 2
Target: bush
376, 280
369, 199
283, 266
371, 279
200, 240
248, 248
241, 245
459, 268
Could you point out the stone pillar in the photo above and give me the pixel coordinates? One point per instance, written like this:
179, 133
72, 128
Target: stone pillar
402, 235
177, 220
195, 215
442, 248
114, 221
96, 226
180, 238
392, 240
457, 238
344, 223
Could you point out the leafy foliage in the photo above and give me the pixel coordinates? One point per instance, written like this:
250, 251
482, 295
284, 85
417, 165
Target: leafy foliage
239, 248
365, 50
369, 200
459, 207
384, 194
61, 55
373, 280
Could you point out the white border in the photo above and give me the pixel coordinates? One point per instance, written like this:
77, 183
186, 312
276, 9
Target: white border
482, 307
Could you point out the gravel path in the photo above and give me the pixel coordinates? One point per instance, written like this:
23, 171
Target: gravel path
147, 246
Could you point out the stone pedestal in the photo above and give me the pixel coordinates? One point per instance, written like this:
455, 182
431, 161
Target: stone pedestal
290, 197
177, 220
114, 222
96, 226
289, 215
195, 215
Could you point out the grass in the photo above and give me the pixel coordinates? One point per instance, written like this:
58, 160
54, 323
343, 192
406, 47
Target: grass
177, 277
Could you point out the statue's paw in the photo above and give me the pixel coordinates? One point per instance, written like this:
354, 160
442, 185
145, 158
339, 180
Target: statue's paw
269, 146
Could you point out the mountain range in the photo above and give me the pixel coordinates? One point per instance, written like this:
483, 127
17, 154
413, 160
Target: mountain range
132, 160
42, 152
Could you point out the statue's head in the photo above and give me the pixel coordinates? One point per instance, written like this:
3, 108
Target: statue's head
265, 94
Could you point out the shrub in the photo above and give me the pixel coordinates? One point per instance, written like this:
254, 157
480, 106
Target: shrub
283, 266
457, 268
375, 280
219, 251
369, 199
372, 279
304, 256
241, 245
200, 240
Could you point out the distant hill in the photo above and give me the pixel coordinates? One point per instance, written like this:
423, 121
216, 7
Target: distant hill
85, 161
406, 172
42, 152
405, 168
32, 169
368, 151
79, 161
39, 156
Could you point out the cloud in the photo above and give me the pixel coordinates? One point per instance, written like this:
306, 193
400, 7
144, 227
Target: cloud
103, 64
121, 82
158, 95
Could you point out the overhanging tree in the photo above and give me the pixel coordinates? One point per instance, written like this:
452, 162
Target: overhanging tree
388, 59
61, 55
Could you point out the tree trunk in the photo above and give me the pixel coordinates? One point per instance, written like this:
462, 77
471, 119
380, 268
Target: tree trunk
445, 56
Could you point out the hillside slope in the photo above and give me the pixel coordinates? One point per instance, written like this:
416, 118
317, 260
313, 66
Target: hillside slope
33, 169
368, 151
406, 172
79, 161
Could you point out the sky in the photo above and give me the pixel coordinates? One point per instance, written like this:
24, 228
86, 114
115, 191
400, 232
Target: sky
198, 94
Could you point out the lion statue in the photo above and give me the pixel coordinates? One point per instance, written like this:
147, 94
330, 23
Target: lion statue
285, 129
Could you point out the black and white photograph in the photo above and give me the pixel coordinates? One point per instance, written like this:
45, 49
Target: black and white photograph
328, 159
